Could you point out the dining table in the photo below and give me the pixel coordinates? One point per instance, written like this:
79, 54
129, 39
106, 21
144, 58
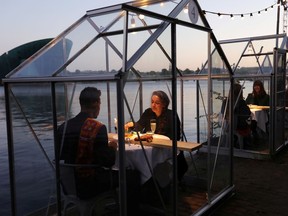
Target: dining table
157, 151
260, 115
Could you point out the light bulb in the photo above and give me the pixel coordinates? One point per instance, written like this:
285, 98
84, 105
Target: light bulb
250, 48
133, 24
186, 9
141, 16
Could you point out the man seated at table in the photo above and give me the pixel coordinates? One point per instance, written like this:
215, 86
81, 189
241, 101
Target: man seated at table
242, 114
164, 126
86, 142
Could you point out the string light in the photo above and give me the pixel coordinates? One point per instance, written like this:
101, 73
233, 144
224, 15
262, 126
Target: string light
186, 9
220, 14
141, 16
133, 23
250, 48
242, 15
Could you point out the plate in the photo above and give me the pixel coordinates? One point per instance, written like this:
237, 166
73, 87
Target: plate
133, 136
159, 136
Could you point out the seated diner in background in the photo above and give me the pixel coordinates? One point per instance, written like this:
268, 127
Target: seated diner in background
258, 97
241, 116
85, 141
164, 126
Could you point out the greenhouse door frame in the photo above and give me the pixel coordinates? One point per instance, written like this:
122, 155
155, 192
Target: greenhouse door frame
278, 84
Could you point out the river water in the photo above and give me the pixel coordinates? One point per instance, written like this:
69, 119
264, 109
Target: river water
4, 171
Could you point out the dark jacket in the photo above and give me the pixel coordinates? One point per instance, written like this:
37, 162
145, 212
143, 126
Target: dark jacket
104, 155
241, 114
99, 179
164, 126
164, 123
262, 100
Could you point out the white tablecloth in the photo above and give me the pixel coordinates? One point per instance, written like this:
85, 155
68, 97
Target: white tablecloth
135, 159
261, 117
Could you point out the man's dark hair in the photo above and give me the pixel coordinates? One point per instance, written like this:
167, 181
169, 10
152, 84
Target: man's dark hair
89, 96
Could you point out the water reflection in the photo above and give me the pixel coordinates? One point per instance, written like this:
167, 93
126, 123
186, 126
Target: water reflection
4, 172
33, 151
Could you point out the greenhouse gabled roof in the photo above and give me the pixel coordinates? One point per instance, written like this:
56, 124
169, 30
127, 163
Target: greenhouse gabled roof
96, 44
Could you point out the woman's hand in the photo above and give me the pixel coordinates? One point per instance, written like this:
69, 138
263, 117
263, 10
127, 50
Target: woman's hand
128, 125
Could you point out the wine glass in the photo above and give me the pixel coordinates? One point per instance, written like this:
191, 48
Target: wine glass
115, 124
153, 125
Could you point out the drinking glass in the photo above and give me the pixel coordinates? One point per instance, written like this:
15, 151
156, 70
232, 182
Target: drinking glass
115, 124
153, 125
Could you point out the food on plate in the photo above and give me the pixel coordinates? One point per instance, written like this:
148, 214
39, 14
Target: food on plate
146, 137
128, 135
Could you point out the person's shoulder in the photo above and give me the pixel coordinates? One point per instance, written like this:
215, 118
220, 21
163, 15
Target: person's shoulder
250, 97
168, 112
244, 103
102, 127
68, 122
61, 127
92, 122
96, 120
148, 111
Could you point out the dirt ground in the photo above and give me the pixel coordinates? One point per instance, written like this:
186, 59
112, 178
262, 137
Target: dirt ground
261, 188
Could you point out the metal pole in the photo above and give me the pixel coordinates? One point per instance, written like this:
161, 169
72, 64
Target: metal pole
277, 24
56, 149
174, 111
10, 150
120, 127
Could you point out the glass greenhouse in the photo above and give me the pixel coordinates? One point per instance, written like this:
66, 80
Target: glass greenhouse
128, 51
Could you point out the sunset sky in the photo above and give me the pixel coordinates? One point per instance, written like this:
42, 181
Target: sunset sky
29, 20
